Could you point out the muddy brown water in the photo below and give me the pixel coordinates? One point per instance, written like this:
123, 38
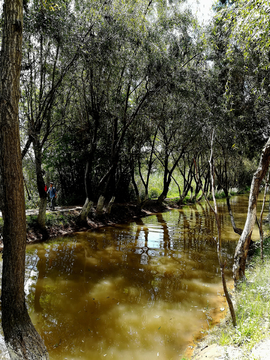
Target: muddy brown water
138, 291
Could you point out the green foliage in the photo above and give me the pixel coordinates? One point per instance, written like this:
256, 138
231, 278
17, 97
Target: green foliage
112, 86
54, 219
154, 193
31, 220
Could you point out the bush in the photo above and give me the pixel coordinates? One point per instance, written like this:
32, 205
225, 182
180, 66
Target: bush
153, 193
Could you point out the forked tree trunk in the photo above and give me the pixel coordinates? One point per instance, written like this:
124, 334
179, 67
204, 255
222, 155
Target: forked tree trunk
22, 339
242, 247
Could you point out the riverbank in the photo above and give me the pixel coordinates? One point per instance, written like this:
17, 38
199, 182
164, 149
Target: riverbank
250, 339
64, 220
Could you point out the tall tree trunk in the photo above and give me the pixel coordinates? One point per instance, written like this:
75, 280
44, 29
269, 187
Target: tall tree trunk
40, 185
166, 186
222, 264
235, 228
132, 173
242, 247
22, 340
260, 220
223, 181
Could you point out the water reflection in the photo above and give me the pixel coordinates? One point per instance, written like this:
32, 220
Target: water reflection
135, 291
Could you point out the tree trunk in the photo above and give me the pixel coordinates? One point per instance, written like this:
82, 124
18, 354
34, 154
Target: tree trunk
164, 193
242, 248
41, 186
235, 228
215, 211
82, 220
109, 207
22, 340
260, 221
135, 184
223, 181
100, 205
42, 214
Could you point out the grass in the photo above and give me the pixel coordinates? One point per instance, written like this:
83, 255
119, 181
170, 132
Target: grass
253, 304
52, 219
58, 219
252, 307
156, 186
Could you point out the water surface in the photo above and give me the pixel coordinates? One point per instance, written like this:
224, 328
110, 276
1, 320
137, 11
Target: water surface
138, 291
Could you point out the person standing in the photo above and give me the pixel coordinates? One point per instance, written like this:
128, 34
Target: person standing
53, 194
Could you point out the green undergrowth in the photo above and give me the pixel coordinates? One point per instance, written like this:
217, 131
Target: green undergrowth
59, 219
52, 219
252, 307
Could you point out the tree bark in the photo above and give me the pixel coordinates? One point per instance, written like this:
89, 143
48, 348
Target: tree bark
22, 340
235, 228
41, 188
260, 221
82, 219
242, 248
100, 205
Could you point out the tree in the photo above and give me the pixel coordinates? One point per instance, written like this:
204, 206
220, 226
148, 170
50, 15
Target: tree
214, 209
249, 43
242, 248
45, 66
23, 341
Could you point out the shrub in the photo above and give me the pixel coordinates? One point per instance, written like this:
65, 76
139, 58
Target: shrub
153, 193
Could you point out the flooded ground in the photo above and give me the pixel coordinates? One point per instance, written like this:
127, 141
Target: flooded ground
138, 291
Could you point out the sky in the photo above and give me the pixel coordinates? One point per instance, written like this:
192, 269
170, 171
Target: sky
202, 8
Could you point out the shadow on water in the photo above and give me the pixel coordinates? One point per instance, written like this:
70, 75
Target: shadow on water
134, 291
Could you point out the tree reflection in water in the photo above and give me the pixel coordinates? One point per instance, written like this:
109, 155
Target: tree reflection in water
132, 291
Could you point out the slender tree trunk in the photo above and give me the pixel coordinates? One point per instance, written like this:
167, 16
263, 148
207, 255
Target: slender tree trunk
260, 221
135, 184
22, 340
166, 186
242, 247
235, 228
82, 219
223, 181
40, 186
222, 264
